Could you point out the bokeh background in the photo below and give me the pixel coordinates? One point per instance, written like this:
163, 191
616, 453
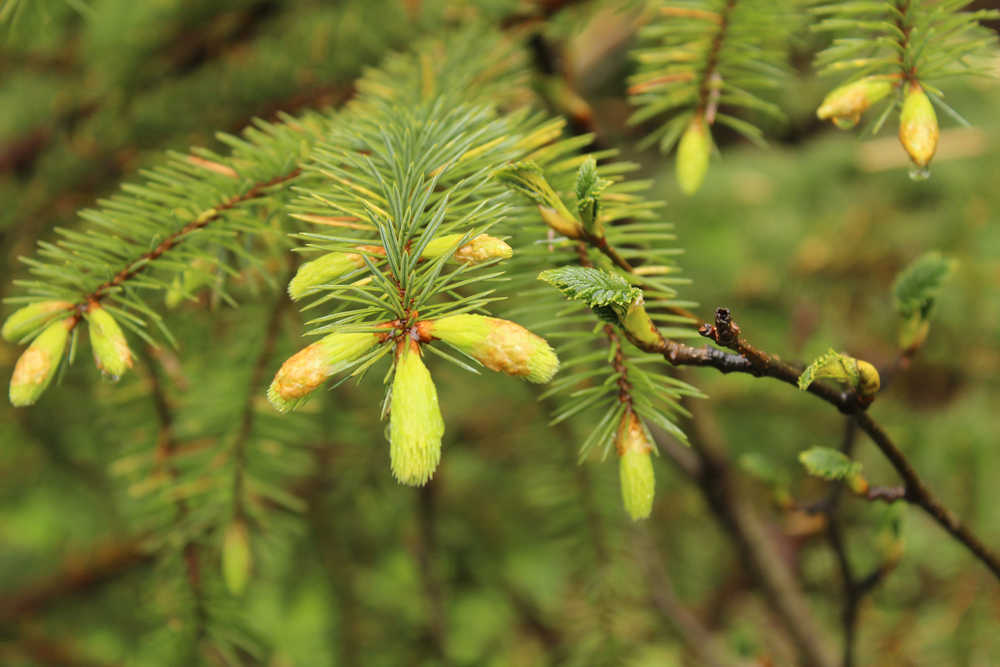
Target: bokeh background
514, 554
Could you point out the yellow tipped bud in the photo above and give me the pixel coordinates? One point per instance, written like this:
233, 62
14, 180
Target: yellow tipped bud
307, 369
480, 249
111, 351
692, 156
237, 558
918, 126
635, 467
25, 320
415, 423
326, 268
868, 379
844, 105
501, 345
37, 366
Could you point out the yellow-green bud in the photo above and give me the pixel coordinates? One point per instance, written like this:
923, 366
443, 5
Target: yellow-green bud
415, 423
844, 105
918, 126
637, 323
237, 558
635, 467
692, 155
566, 225
25, 320
111, 351
37, 366
501, 345
307, 369
868, 379
326, 268
480, 249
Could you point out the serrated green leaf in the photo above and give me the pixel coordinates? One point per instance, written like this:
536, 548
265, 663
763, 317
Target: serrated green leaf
594, 287
828, 463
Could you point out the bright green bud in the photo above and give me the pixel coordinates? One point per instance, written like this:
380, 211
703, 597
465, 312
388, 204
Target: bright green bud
307, 369
326, 268
635, 467
415, 423
111, 351
25, 320
529, 179
501, 345
237, 558
918, 126
480, 249
637, 323
844, 105
692, 156
37, 366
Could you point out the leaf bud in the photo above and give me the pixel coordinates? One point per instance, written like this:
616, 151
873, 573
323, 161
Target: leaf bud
237, 558
638, 324
25, 320
868, 379
326, 268
692, 155
501, 345
307, 369
635, 467
529, 179
111, 352
415, 423
845, 104
37, 366
918, 126
479, 249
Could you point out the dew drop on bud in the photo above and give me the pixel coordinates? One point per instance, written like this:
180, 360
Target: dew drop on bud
919, 173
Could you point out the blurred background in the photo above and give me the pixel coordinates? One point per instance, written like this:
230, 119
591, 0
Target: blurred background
514, 554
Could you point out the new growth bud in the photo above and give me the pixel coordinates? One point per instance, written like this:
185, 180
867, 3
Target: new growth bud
844, 105
638, 324
415, 423
868, 379
25, 320
635, 467
37, 366
237, 558
692, 155
918, 126
306, 370
111, 352
480, 249
529, 179
501, 345
326, 268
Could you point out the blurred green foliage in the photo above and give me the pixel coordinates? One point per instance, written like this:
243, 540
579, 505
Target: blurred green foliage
515, 554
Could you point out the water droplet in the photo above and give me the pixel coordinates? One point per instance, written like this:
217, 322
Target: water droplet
919, 173
846, 122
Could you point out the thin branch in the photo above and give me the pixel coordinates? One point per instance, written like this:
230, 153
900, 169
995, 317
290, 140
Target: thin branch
748, 359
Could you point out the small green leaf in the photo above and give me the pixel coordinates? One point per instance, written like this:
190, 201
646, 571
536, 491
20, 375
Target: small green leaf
598, 289
918, 284
588, 195
828, 463
833, 365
